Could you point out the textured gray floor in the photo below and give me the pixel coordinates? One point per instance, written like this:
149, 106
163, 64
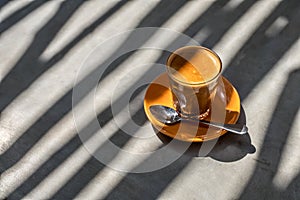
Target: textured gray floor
43, 44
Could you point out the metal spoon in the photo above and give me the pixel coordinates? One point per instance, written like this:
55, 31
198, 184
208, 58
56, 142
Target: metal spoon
168, 115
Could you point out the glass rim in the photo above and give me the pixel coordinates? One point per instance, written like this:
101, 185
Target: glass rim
194, 83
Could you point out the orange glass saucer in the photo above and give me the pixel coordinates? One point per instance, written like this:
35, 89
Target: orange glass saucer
226, 110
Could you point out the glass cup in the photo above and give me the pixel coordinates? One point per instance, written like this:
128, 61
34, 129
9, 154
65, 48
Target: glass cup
194, 73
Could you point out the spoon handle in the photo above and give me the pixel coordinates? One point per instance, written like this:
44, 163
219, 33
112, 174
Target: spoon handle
234, 128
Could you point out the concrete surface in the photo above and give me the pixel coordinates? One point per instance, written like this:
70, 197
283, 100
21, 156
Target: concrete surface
43, 44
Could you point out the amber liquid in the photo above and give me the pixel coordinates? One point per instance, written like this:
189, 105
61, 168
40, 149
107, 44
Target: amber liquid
193, 74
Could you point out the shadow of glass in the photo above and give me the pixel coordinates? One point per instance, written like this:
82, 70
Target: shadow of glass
150, 177
153, 176
170, 172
